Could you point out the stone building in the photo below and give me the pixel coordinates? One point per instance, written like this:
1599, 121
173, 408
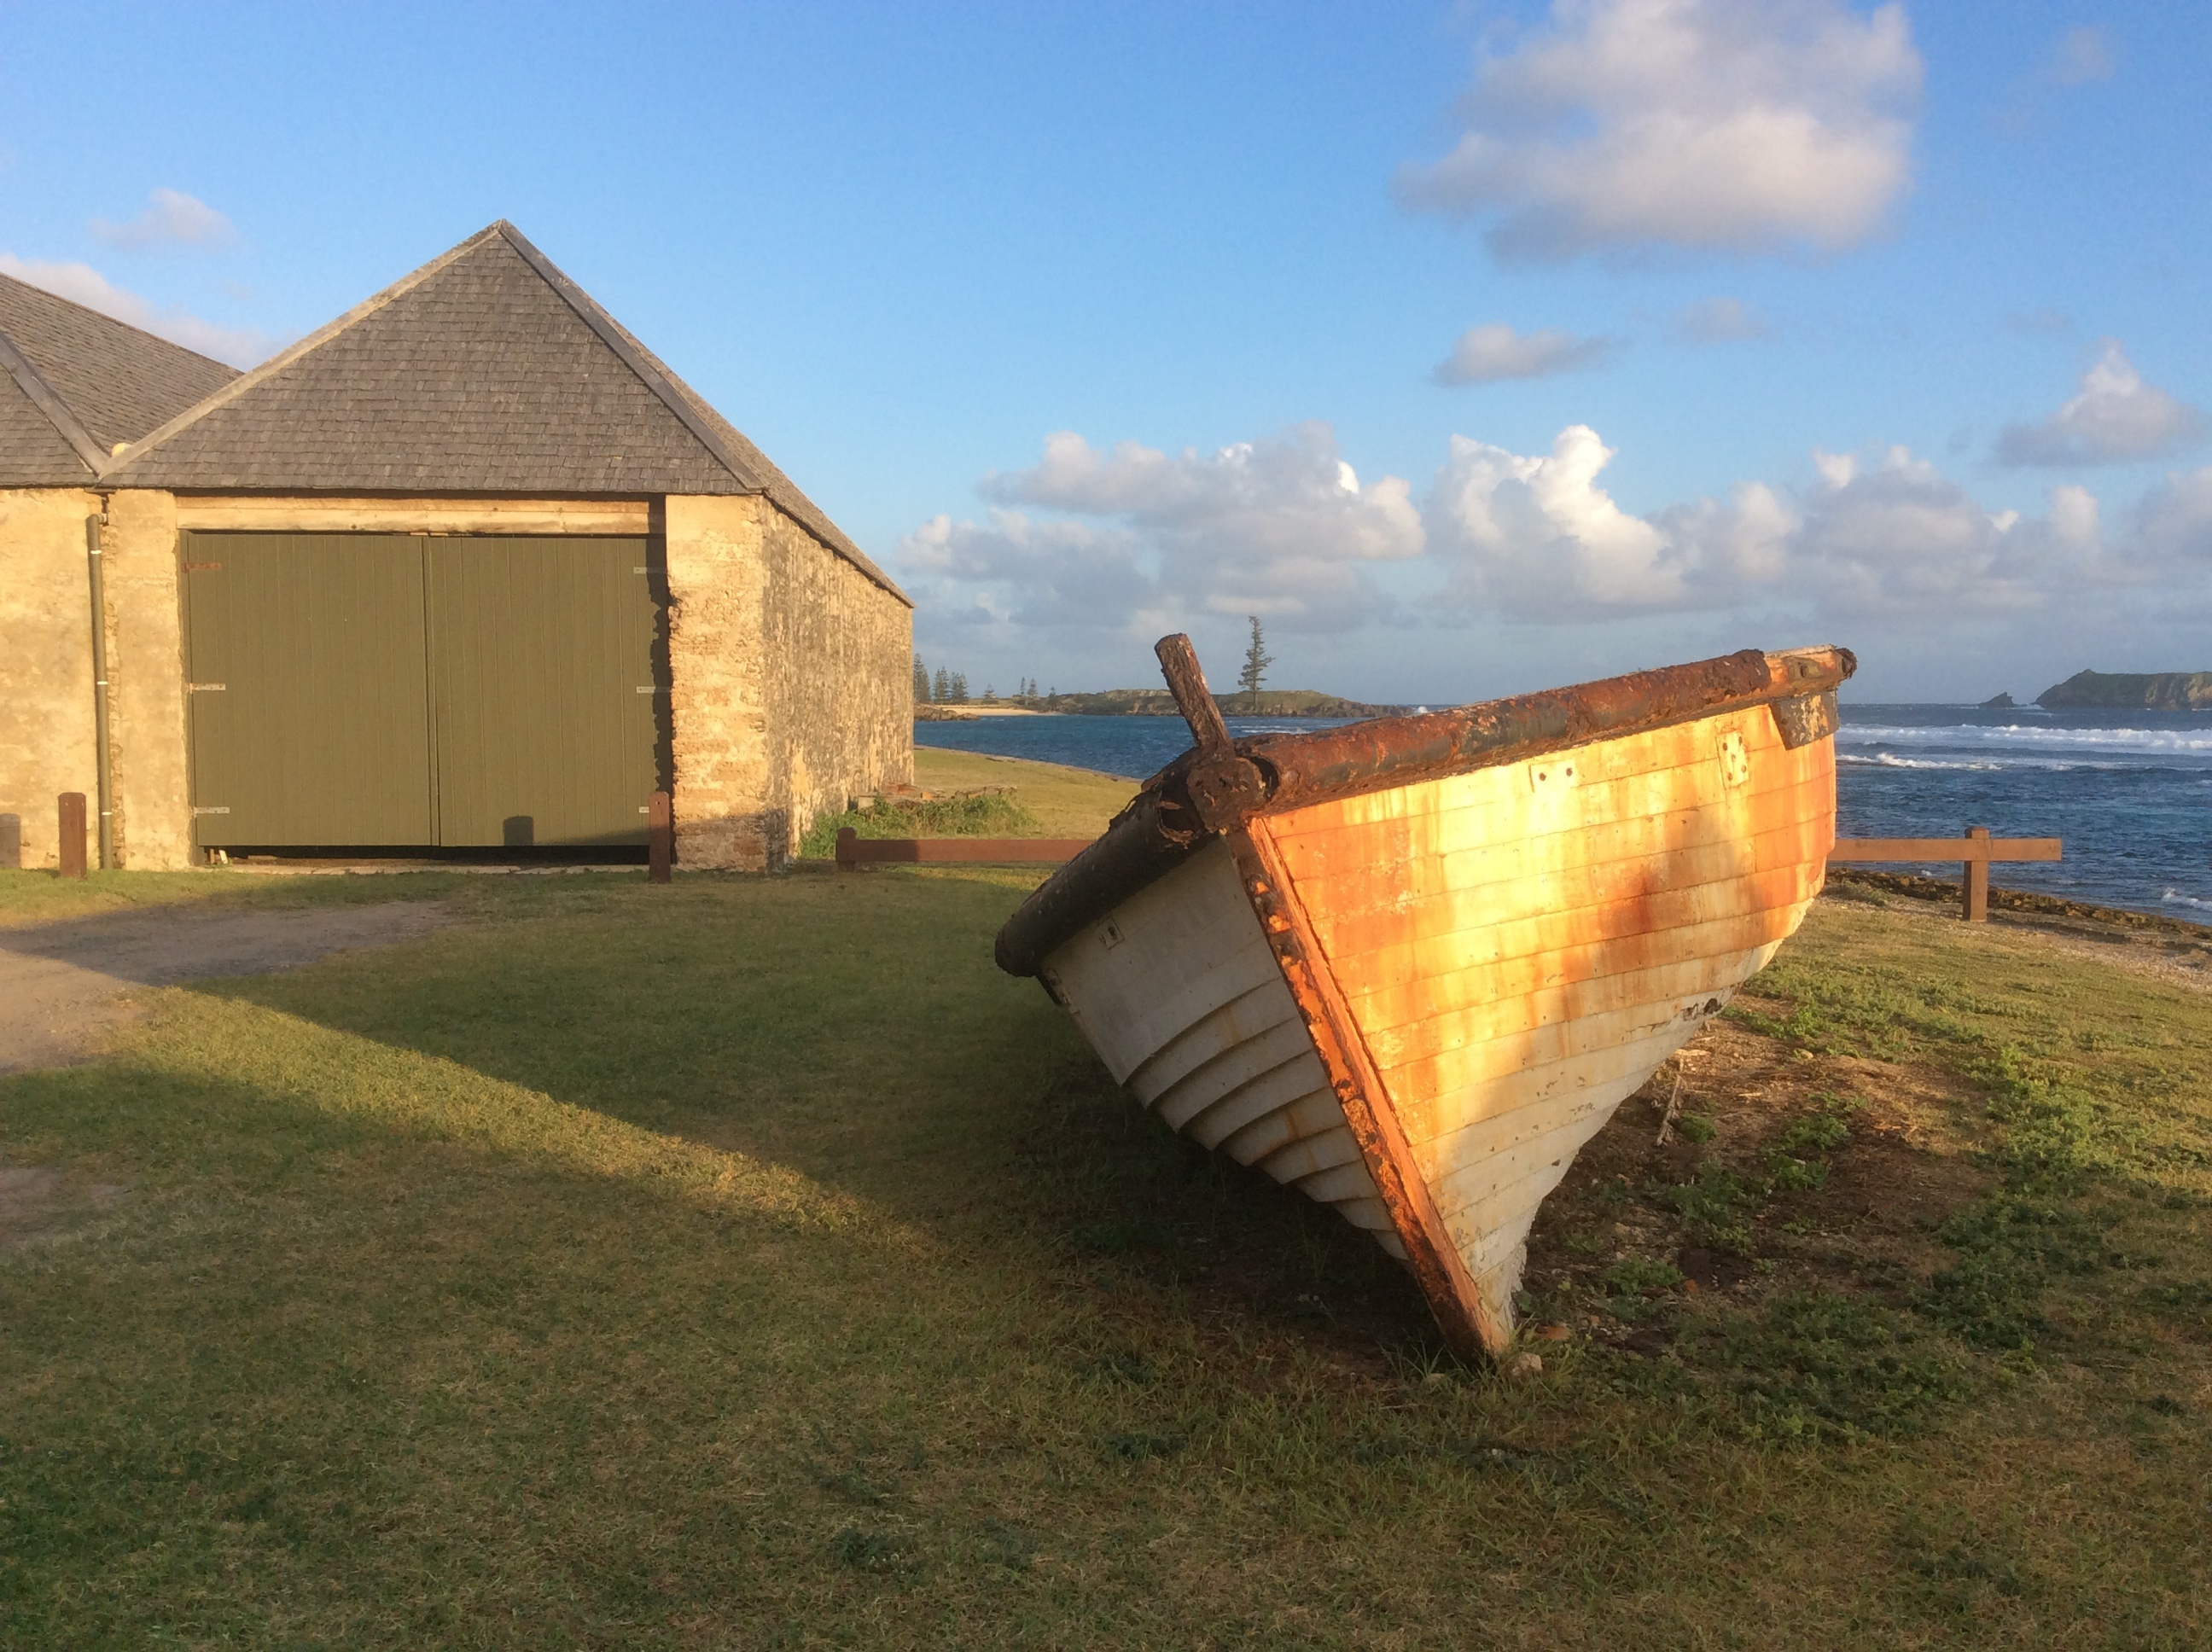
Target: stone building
468, 566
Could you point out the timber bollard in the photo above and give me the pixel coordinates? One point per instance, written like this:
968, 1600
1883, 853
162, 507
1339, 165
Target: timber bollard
660, 838
1974, 899
11, 842
72, 839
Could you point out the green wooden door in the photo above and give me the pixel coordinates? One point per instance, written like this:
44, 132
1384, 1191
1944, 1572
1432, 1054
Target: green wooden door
308, 702
397, 690
542, 690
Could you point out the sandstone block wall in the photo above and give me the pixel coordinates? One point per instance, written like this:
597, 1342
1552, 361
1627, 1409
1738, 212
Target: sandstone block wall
45, 662
792, 681
840, 680
146, 725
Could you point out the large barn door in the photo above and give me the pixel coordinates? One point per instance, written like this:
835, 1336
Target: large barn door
307, 689
542, 690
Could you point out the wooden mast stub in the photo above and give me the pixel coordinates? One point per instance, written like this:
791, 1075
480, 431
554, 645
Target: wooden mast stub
1225, 788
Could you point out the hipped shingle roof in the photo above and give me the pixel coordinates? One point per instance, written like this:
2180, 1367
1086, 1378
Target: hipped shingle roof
73, 383
485, 371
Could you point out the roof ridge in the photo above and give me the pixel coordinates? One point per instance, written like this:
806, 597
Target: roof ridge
116, 320
315, 340
48, 401
616, 338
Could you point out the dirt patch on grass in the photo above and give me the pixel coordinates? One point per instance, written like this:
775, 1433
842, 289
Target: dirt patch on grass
1783, 1171
36, 1200
66, 986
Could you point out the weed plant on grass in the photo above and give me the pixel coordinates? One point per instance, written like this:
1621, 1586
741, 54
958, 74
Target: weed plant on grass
747, 1262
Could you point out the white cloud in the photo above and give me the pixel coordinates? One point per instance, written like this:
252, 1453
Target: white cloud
239, 346
1738, 126
1720, 321
171, 218
1282, 528
2083, 55
2116, 417
1537, 538
1493, 351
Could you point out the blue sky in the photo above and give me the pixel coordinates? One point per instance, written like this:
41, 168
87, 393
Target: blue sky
1091, 323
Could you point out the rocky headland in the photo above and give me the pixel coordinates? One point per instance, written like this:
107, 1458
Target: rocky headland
2129, 691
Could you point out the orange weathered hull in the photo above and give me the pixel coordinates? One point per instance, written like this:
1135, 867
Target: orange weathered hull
1417, 1001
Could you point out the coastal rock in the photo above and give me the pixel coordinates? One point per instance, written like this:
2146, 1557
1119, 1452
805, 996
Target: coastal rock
1998, 702
2130, 691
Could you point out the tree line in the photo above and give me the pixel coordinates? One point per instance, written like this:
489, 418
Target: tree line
945, 688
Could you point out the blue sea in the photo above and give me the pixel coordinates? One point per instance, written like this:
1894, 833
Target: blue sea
2130, 792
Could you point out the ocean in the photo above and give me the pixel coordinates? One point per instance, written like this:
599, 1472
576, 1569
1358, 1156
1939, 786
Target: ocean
2130, 792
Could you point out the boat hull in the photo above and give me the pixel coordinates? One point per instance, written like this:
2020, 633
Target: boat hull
1417, 1003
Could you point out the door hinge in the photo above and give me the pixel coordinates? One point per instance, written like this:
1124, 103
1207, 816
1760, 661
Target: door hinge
202, 568
205, 687
198, 810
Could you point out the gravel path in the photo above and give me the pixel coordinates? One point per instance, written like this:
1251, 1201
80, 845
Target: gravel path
66, 987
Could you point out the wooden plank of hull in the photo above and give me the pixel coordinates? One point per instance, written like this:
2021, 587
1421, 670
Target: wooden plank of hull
1180, 992
1418, 1004
1548, 955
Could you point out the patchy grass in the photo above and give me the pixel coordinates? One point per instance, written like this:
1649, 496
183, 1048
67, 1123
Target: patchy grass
747, 1263
1064, 802
976, 814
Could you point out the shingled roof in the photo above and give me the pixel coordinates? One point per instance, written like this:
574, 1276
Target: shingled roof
485, 371
73, 383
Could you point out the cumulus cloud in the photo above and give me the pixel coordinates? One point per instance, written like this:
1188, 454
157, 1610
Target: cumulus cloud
239, 346
2116, 417
1493, 351
171, 218
1282, 528
1736, 125
1720, 321
1536, 537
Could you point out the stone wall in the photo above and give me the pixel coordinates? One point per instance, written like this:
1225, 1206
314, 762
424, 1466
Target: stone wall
792, 681
45, 663
146, 727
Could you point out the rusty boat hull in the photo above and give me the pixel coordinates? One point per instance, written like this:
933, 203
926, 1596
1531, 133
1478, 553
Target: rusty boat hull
1410, 966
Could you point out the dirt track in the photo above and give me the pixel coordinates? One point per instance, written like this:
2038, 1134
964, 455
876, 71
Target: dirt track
66, 987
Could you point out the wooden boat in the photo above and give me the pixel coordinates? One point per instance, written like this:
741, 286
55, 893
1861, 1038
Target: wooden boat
1409, 966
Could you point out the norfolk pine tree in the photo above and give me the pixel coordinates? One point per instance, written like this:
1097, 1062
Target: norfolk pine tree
1256, 661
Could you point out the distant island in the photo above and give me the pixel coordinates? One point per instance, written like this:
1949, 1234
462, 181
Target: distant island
2129, 691
1157, 703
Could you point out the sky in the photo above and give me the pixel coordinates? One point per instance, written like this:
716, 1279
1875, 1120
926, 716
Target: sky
1474, 349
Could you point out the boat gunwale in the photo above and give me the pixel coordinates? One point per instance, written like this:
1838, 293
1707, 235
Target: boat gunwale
1164, 824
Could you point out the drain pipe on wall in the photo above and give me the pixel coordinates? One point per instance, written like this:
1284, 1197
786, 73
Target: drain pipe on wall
93, 525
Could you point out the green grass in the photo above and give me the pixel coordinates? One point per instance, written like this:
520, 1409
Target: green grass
1064, 802
747, 1263
990, 797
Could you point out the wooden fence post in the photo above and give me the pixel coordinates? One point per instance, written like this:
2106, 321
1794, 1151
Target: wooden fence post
660, 837
72, 825
11, 842
847, 837
1977, 897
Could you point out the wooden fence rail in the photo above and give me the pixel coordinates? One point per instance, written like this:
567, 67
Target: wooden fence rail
853, 850
1973, 852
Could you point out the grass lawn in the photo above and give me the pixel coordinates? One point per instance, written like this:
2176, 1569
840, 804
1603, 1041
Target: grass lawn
747, 1263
